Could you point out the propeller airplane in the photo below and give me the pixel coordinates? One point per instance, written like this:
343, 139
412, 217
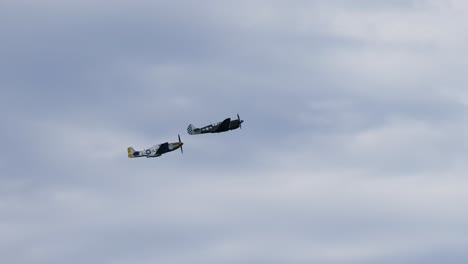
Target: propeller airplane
156, 150
223, 126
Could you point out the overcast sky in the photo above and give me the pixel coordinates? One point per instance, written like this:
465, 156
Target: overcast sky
353, 148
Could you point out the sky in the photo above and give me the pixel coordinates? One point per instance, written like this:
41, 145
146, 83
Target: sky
353, 147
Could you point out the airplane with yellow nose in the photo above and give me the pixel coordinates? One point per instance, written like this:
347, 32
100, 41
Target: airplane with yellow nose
156, 150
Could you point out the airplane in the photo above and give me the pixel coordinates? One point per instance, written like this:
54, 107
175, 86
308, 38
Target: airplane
226, 125
156, 150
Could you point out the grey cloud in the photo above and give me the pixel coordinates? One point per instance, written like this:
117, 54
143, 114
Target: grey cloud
352, 148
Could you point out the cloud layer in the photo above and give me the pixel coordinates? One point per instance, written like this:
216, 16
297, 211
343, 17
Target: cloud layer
352, 151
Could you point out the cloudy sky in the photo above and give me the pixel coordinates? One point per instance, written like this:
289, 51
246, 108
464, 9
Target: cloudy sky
353, 148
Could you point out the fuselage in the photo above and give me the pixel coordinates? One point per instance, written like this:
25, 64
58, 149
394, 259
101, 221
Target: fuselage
223, 126
154, 151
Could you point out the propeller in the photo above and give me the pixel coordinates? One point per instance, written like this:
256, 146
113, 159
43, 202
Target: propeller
181, 149
240, 123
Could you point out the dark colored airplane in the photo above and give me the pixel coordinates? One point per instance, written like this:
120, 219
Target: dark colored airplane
224, 126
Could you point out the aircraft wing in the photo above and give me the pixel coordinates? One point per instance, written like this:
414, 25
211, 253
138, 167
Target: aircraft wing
224, 126
163, 148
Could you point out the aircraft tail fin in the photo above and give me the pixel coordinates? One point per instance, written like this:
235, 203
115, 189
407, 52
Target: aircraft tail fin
191, 129
130, 152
